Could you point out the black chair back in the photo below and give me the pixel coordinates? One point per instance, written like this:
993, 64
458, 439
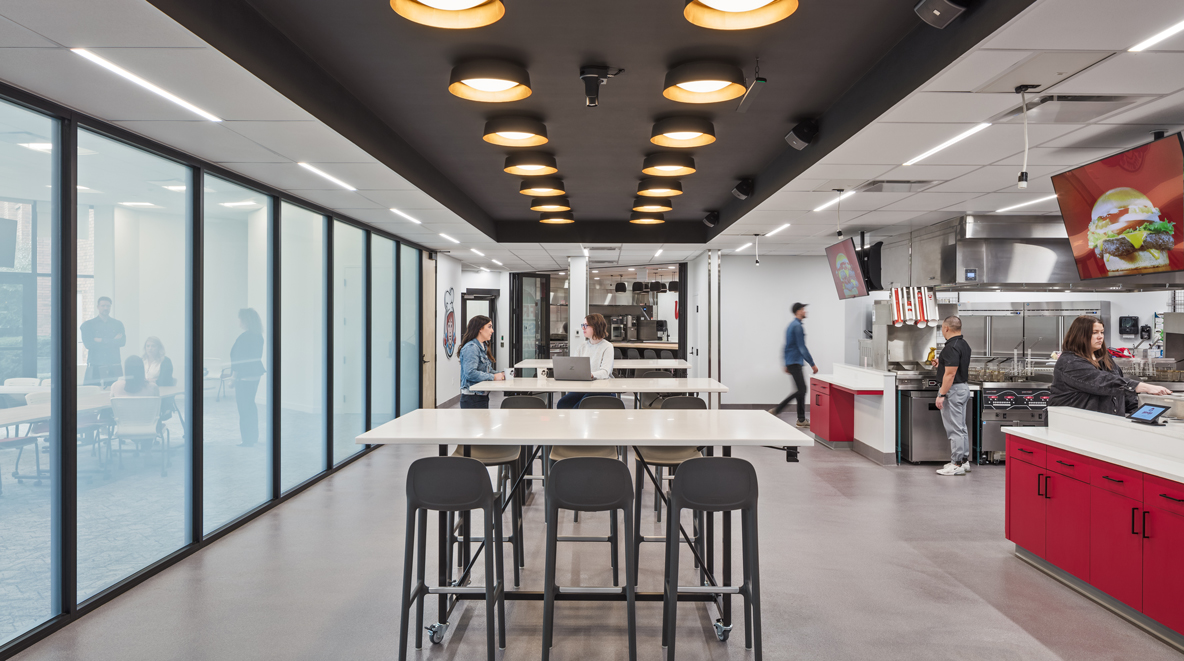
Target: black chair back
634, 355
657, 374
448, 484
667, 354
601, 402
523, 402
617, 355
714, 484
650, 354
590, 484
683, 402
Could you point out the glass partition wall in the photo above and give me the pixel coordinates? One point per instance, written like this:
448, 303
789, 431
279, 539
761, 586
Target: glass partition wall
217, 343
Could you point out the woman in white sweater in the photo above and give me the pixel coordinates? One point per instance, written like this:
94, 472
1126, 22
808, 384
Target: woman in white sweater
599, 352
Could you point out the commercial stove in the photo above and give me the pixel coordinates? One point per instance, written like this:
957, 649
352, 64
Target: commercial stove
922, 435
1011, 404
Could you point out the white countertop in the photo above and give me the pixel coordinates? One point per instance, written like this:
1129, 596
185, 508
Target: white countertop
1156, 450
620, 363
857, 378
530, 384
848, 383
586, 427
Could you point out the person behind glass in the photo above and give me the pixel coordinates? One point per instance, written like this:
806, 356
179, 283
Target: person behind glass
599, 352
1086, 377
158, 368
476, 362
102, 337
247, 370
134, 383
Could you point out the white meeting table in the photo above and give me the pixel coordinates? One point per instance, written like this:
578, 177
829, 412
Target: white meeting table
635, 427
620, 364
603, 386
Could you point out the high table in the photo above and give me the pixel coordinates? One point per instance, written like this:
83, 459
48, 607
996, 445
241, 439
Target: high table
605, 386
637, 427
620, 363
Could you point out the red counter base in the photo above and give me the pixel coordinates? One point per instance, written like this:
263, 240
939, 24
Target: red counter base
832, 413
1113, 533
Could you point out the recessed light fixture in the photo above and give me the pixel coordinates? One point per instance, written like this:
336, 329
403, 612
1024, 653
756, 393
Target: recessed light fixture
652, 204
954, 140
658, 253
556, 218
704, 82
175, 189
497, 262
450, 14
1028, 203
737, 14
542, 187
742, 247
683, 132
137, 204
596, 271
835, 201
244, 203
632, 269
145, 84
1175, 29
515, 132
489, 81
639, 218
400, 213
477, 251
43, 147
484, 269
668, 164
595, 278
450, 238
330, 177
659, 188
777, 230
550, 204
531, 164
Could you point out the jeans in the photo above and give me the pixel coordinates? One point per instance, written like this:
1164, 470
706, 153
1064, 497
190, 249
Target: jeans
248, 410
474, 401
799, 393
953, 418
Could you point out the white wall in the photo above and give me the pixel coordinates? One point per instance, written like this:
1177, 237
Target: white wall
696, 315
499, 280
448, 276
755, 311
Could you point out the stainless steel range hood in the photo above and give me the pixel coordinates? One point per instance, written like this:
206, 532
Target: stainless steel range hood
1029, 253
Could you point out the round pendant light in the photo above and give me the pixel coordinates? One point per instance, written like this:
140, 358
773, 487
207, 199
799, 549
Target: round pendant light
450, 14
683, 132
489, 81
531, 164
557, 218
737, 14
646, 218
652, 204
659, 188
515, 132
668, 164
542, 187
550, 204
704, 82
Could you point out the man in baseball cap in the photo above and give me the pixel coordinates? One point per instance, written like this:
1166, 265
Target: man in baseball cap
796, 355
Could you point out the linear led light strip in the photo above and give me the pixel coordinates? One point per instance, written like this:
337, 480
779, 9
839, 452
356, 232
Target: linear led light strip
1179, 27
143, 83
449, 238
330, 177
830, 204
742, 247
1028, 203
782, 227
954, 140
416, 221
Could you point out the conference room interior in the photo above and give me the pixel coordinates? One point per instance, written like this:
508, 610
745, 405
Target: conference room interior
352, 232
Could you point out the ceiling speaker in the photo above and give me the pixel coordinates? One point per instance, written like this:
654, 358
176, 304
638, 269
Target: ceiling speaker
938, 13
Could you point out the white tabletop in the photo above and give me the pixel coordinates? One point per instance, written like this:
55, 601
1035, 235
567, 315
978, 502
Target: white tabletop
530, 384
586, 427
620, 363
22, 390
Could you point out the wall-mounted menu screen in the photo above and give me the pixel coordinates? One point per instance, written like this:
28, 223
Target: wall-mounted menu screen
844, 267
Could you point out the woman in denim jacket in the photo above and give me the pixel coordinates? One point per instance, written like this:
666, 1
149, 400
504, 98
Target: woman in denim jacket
476, 362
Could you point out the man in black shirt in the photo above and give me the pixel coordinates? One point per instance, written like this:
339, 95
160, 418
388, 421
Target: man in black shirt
953, 367
102, 337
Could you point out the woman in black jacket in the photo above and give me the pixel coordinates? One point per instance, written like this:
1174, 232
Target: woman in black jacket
246, 367
1085, 376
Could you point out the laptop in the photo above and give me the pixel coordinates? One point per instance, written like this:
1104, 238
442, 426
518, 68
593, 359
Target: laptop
572, 369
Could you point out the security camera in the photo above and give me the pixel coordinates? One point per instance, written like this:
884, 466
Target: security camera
839, 233
758, 261
743, 189
711, 219
594, 77
801, 135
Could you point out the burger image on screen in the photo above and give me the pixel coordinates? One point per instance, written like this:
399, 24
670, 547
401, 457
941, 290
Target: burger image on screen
1128, 233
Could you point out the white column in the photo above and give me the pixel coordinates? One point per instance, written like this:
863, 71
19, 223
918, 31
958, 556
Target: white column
713, 323
577, 297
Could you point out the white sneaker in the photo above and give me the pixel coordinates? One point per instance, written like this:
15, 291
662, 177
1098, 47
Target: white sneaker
950, 469
966, 465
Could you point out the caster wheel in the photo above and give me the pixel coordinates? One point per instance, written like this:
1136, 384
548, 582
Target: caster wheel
722, 631
436, 632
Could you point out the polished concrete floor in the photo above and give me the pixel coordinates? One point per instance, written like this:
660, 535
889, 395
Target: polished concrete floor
858, 562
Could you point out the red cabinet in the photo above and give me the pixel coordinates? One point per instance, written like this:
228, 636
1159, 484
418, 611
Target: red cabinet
1116, 546
1163, 579
820, 409
832, 412
1026, 506
1067, 542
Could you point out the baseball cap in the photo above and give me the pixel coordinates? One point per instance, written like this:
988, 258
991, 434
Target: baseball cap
798, 306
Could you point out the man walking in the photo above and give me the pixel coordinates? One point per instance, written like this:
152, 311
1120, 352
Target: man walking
796, 355
953, 367
102, 337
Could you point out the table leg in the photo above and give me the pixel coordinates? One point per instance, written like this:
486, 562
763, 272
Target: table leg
709, 532
445, 567
465, 525
727, 553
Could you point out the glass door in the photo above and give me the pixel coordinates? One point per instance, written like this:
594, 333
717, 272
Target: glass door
530, 312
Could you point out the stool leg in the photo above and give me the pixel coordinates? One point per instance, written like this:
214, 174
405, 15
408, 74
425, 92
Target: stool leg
405, 611
492, 547
658, 494
630, 581
612, 544
670, 599
420, 569
754, 575
745, 577
549, 580
639, 478
499, 567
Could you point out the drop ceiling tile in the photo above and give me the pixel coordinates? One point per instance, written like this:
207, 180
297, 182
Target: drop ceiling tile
403, 200
1168, 110
87, 23
208, 140
950, 107
1060, 157
882, 218
280, 175
1086, 24
336, 199
975, 70
1110, 136
893, 144
310, 142
1129, 73
801, 185
13, 35
994, 201
995, 142
989, 179
833, 170
924, 172
929, 201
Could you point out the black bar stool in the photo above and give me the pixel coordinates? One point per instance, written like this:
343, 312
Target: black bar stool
715, 484
588, 484
660, 457
648, 400
450, 484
